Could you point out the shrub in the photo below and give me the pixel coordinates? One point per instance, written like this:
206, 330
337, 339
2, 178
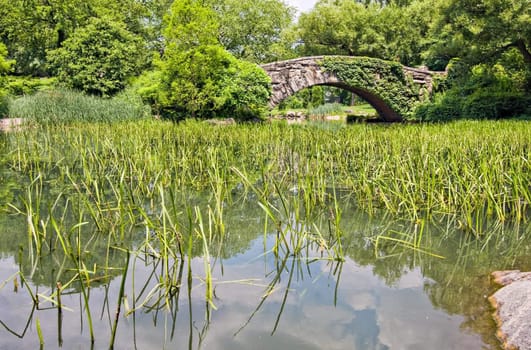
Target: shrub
98, 58
5, 66
18, 86
486, 104
206, 82
479, 92
247, 92
67, 106
445, 107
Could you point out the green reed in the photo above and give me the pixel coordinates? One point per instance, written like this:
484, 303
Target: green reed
473, 170
67, 106
93, 187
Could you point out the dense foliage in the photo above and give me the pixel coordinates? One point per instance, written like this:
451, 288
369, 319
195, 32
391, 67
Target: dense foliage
484, 92
251, 29
31, 28
5, 66
197, 76
480, 31
377, 77
98, 58
4, 63
193, 55
352, 28
208, 82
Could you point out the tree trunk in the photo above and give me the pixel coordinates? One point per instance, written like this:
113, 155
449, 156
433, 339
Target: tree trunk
520, 44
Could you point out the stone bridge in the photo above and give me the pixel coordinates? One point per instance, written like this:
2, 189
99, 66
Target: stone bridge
392, 89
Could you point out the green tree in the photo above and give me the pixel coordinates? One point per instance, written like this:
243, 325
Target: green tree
347, 27
487, 44
30, 28
5, 66
480, 31
99, 57
197, 77
152, 21
249, 29
189, 25
207, 82
288, 46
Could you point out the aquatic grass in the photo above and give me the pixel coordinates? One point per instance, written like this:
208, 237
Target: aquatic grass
466, 169
68, 106
121, 294
326, 110
206, 259
39, 332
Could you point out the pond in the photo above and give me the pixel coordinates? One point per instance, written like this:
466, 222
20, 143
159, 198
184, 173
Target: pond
403, 300
87, 264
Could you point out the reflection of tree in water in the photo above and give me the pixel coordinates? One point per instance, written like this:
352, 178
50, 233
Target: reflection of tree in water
457, 284
460, 283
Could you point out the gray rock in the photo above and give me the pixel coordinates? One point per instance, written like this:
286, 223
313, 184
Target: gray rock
513, 309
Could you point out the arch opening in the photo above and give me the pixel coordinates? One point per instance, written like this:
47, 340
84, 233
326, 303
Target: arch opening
384, 112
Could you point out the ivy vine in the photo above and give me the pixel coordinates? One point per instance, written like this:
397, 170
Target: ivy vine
380, 78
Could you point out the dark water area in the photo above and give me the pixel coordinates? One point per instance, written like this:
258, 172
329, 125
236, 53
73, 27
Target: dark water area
392, 298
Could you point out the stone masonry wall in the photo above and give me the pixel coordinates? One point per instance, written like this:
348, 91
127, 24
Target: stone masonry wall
288, 77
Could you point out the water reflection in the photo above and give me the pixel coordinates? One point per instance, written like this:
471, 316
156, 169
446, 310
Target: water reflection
262, 298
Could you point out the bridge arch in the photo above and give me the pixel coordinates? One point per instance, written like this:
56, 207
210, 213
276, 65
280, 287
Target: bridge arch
392, 89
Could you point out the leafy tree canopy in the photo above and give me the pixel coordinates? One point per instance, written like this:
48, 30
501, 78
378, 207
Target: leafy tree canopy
480, 31
30, 28
249, 29
197, 77
99, 57
5, 64
347, 27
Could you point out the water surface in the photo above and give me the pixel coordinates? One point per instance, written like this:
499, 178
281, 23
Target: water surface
402, 299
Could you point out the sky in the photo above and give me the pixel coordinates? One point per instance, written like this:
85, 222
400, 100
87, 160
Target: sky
302, 5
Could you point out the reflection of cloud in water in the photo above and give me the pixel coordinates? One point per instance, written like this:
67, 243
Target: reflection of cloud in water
411, 279
361, 301
407, 319
366, 315
310, 319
